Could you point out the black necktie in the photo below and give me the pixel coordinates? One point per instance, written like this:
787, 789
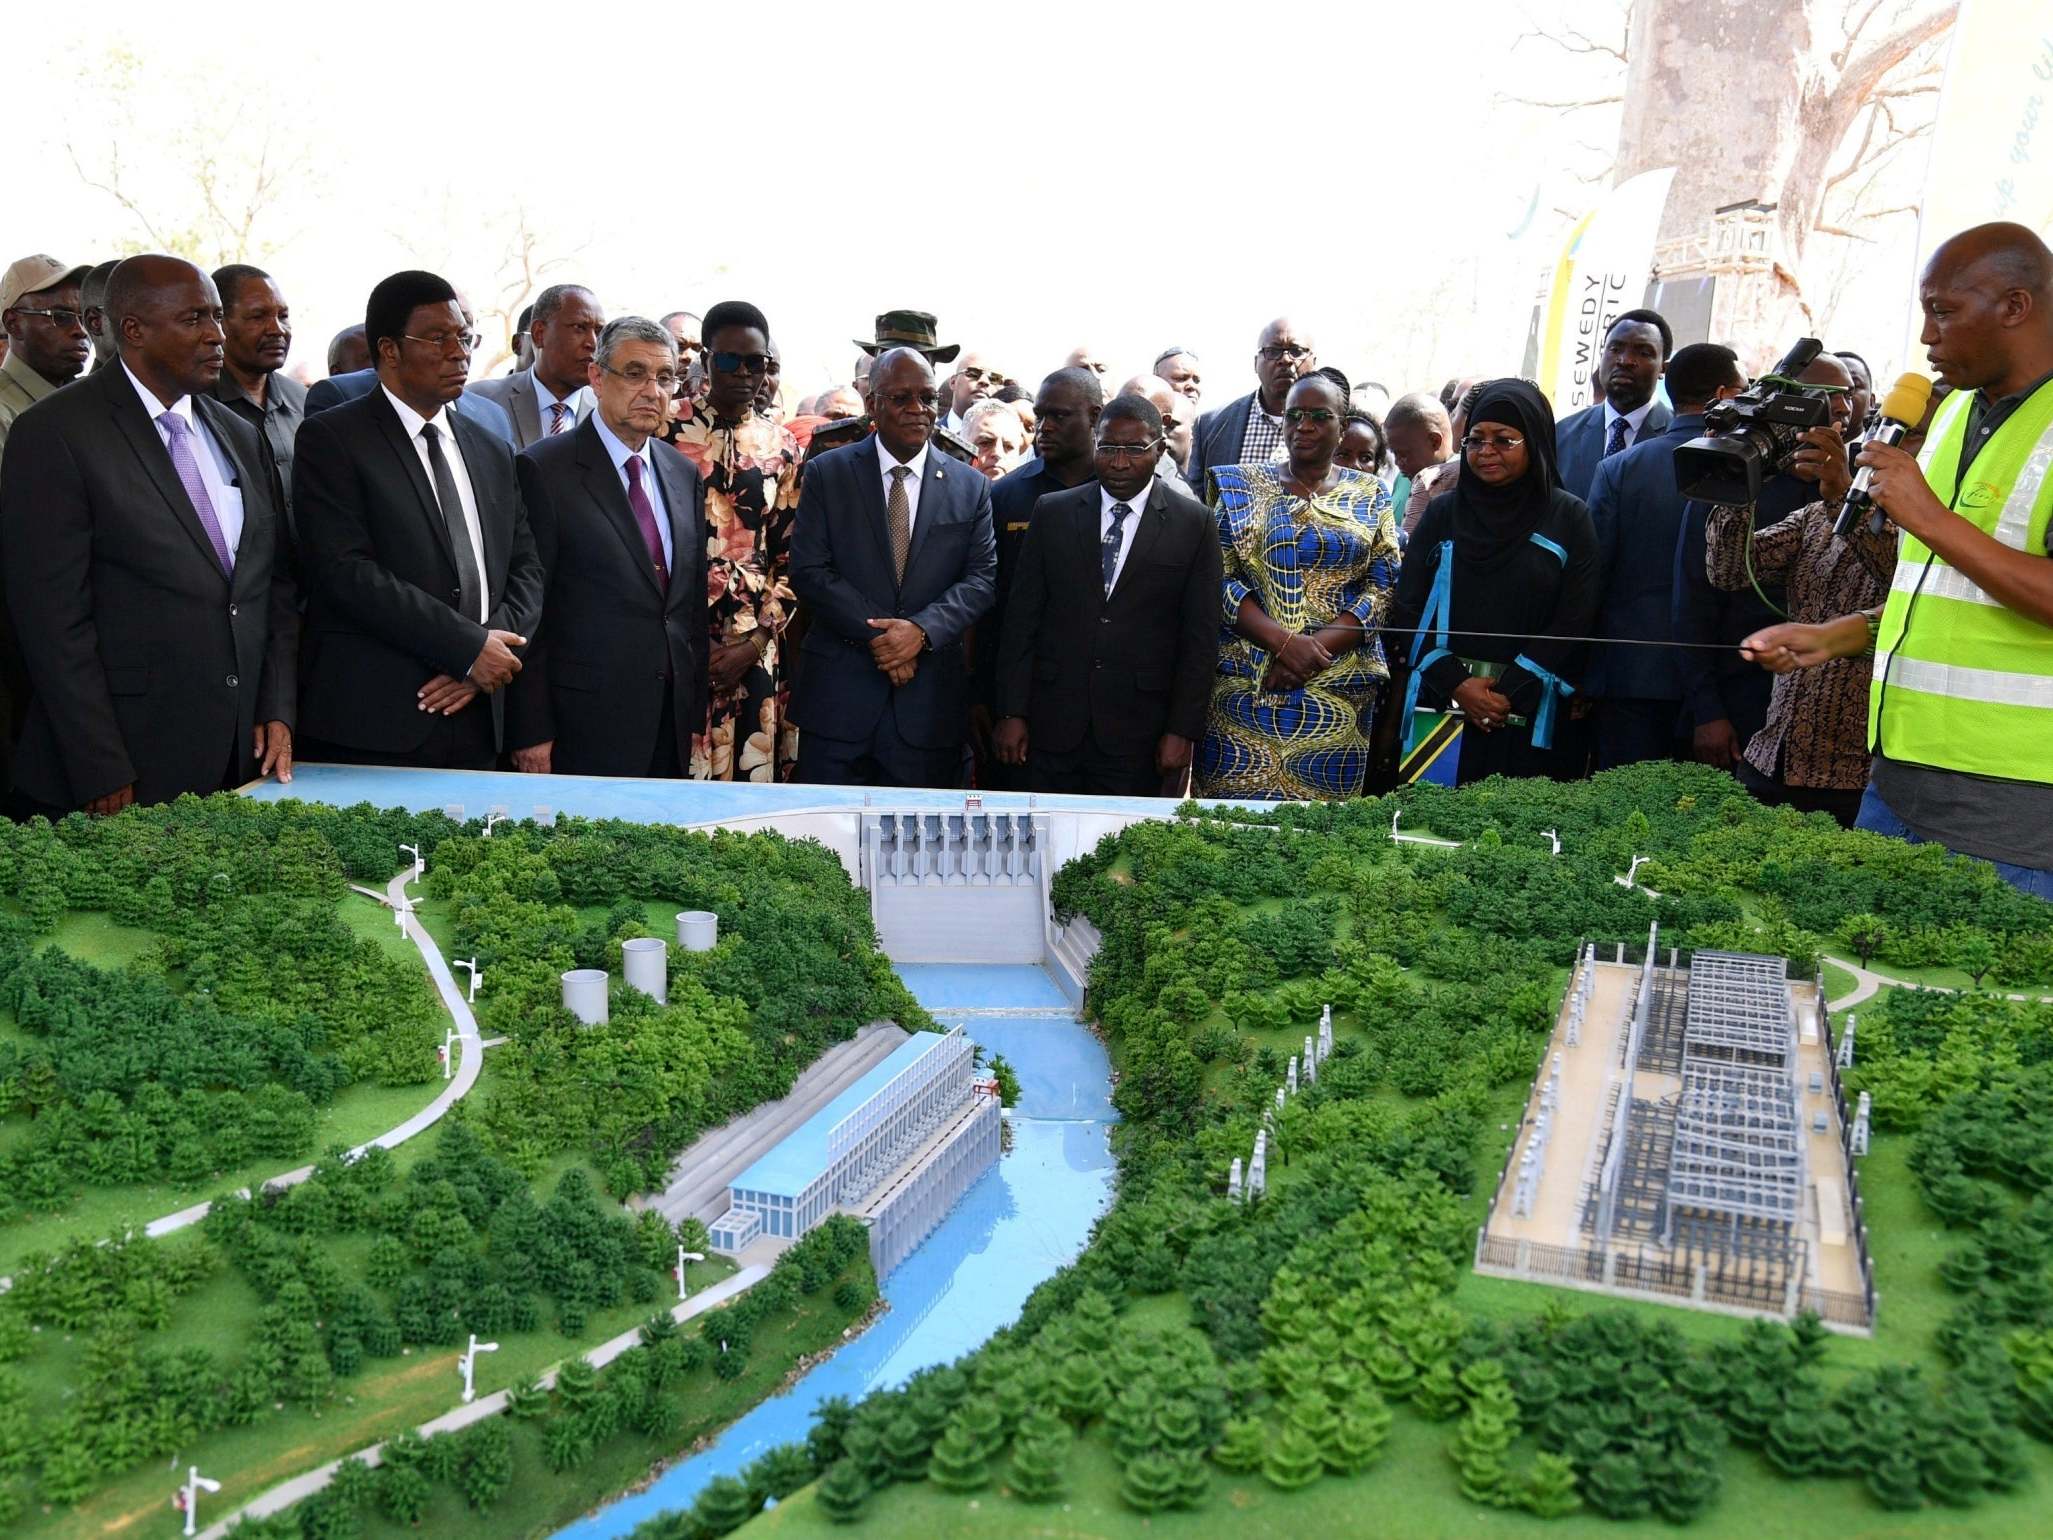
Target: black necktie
1114, 538
452, 516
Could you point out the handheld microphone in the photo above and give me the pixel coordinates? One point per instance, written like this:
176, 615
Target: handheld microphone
1901, 411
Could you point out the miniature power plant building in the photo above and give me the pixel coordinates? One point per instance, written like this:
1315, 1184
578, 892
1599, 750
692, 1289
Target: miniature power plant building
919, 1104
1702, 1182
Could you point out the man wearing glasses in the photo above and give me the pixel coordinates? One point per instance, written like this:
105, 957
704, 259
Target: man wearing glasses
1250, 431
423, 571
611, 682
47, 342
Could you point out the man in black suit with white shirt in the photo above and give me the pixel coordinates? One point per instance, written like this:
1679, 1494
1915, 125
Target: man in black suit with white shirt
146, 574
423, 571
893, 580
1112, 624
614, 680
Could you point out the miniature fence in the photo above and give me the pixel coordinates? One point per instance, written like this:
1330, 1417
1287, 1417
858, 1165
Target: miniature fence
1853, 1176
1637, 1271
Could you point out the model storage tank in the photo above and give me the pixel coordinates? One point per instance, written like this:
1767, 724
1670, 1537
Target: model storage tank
698, 930
584, 995
645, 964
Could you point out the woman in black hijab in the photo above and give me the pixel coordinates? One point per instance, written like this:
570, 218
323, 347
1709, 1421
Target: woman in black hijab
1507, 551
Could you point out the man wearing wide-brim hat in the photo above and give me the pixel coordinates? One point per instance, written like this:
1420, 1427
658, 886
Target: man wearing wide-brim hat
910, 329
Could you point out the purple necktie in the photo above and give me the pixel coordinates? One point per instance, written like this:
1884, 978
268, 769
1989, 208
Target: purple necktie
188, 470
645, 516
559, 415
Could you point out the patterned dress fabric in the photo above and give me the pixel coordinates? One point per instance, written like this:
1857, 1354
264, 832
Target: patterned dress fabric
751, 471
1305, 563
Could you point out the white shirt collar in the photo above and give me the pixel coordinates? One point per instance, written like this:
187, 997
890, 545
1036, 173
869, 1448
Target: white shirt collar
182, 406
618, 449
1136, 503
412, 421
1634, 418
545, 398
885, 460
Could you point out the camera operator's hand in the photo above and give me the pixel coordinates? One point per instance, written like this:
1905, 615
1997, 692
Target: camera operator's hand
1899, 489
1821, 457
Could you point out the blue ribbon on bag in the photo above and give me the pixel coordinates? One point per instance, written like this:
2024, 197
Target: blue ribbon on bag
1552, 688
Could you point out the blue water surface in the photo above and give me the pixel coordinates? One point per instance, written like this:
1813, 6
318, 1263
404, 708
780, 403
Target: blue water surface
1021, 1223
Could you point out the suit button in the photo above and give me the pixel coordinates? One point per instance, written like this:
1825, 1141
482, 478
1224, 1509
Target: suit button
233, 612
233, 681
1104, 620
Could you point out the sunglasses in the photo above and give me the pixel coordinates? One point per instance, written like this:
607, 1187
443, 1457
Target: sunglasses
741, 363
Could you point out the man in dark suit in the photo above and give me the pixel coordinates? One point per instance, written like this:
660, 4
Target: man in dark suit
550, 395
1112, 628
144, 568
1250, 430
1636, 350
612, 682
340, 387
1637, 512
894, 580
423, 570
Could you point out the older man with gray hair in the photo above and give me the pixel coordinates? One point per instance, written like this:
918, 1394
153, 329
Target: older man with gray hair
613, 682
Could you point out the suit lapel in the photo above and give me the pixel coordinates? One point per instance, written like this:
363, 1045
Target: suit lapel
933, 499
133, 417
527, 407
602, 482
683, 506
1086, 533
1146, 532
416, 474
247, 475
866, 466
495, 520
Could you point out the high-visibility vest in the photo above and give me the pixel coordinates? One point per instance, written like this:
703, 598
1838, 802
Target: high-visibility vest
1960, 681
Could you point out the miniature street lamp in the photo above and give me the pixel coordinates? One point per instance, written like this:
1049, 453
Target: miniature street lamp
1395, 814
469, 1362
449, 1041
469, 965
683, 1257
1632, 872
1554, 839
419, 865
492, 818
187, 1501
400, 911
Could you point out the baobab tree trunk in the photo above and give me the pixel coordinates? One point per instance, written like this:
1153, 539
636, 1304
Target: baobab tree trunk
1754, 100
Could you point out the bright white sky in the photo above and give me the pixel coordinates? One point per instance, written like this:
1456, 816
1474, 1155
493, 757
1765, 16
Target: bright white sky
1120, 175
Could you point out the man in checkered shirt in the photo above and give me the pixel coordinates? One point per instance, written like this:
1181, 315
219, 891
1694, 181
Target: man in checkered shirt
1250, 431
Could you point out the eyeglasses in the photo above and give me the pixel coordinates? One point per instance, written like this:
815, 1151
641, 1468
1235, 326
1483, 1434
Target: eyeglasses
64, 320
741, 363
447, 342
976, 375
1475, 442
926, 400
638, 377
1317, 414
1129, 451
1289, 350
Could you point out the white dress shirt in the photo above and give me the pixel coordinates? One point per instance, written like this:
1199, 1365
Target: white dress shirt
621, 455
917, 465
217, 471
1636, 418
467, 495
1135, 506
546, 400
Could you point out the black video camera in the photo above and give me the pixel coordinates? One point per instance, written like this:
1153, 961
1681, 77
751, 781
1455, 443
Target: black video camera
1753, 434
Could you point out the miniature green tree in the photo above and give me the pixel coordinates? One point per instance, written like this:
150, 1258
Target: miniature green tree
1616, 1486
725, 1505
842, 1494
1036, 1474
1358, 1438
1292, 1461
1080, 1389
1549, 1489
1149, 1483
1243, 1447
1437, 1395
487, 1462
907, 1448
403, 1493
960, 1461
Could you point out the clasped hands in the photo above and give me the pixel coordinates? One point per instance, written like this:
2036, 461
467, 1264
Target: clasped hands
1292, 665
495, 666
896, 649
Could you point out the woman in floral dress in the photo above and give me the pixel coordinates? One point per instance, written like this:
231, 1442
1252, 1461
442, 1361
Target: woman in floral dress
750, 466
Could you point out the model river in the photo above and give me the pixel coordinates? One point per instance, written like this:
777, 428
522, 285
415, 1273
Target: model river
1024, 1220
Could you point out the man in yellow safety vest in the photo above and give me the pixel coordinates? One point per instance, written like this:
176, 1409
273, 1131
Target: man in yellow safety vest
1960, 713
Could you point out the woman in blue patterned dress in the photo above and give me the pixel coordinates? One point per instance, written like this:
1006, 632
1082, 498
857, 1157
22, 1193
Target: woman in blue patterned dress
1311, 559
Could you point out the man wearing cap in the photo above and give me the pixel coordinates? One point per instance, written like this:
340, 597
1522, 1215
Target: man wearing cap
914, 329
144, 564
47, 343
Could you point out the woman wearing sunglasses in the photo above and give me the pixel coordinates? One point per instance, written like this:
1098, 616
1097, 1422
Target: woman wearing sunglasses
750, 465
1512, 554
1310, 553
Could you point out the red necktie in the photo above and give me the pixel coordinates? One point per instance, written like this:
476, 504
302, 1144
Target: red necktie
645, 516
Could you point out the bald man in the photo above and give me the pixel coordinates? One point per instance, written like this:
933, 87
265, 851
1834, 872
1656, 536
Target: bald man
1960, 711
145, 574
1250, 430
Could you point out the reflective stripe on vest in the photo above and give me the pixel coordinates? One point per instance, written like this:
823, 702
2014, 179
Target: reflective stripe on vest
1961, 682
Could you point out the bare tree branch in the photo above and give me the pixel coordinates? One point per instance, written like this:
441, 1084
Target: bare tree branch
1574, 106
1864, 69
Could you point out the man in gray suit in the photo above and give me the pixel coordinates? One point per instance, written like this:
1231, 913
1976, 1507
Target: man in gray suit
553, 395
